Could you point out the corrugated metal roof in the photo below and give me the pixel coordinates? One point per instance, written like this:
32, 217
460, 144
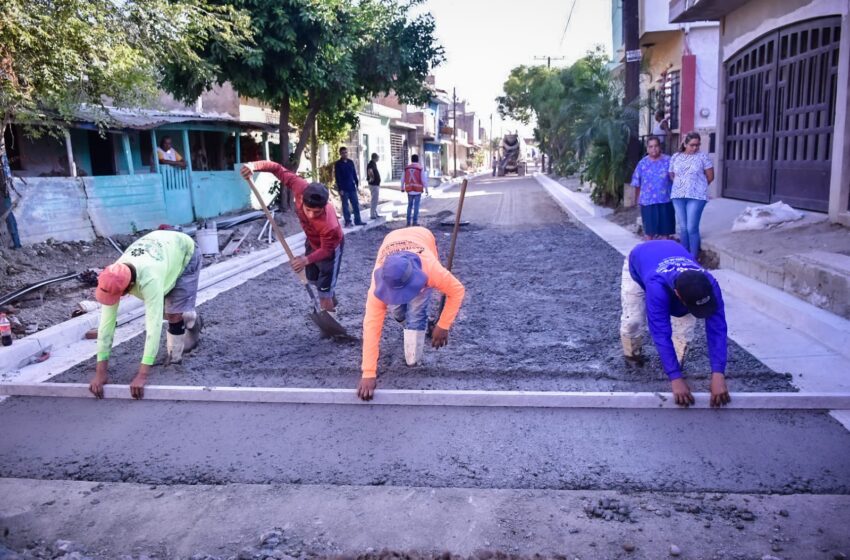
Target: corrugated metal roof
146, 119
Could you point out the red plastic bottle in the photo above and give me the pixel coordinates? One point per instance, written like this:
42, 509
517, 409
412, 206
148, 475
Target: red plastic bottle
5, 330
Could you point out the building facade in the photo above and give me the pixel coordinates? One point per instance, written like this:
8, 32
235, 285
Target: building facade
97, 182
678, 76
783, 112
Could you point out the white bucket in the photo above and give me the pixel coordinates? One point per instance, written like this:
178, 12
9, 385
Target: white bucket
207, 241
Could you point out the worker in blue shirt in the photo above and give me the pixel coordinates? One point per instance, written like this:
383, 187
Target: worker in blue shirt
665, 287
345, 175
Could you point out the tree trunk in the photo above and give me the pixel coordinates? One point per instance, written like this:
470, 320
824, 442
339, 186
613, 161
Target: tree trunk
304, 134
283, 129
314, 150
6, 190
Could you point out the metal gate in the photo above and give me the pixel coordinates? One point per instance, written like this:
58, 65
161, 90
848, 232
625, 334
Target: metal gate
397, 156
780, 110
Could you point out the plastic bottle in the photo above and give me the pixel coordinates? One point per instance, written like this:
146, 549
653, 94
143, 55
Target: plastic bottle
5, 330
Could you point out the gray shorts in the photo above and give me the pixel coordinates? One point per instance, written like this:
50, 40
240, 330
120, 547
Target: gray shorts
182, 296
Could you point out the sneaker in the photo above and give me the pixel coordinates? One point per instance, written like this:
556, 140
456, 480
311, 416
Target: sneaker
359, 223
347, 224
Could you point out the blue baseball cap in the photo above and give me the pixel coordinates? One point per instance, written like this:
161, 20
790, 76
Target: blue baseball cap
400, 279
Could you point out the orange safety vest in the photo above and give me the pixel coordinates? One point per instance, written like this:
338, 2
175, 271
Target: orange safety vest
413, 181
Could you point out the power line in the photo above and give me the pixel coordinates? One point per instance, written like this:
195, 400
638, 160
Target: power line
567, 26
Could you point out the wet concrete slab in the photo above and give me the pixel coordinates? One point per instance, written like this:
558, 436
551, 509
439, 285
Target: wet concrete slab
217, 443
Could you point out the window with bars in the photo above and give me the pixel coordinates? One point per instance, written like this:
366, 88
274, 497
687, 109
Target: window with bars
672, 92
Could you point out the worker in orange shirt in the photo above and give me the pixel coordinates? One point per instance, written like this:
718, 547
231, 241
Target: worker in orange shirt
406, 270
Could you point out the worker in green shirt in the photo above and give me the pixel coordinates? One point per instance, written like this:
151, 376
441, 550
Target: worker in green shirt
162, 269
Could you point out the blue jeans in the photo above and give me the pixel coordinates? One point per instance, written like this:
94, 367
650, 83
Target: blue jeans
688, 214
11, 222
413, 207
350, 196
413, 314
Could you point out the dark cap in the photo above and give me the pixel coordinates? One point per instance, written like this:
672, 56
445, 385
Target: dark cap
697, 293
315, 195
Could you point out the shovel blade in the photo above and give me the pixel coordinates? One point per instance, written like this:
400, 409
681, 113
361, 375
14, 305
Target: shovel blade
328, 325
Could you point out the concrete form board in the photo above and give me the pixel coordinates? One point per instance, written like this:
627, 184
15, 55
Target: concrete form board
523, 399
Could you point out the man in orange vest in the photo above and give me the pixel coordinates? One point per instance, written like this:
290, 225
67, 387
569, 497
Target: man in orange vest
414, 182
406, 271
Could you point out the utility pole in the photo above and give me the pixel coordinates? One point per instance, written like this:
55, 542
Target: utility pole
631, 24
454, 128
491, 138
549, 59
314, 150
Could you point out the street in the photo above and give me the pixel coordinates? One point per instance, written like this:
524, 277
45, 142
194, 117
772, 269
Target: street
541, 313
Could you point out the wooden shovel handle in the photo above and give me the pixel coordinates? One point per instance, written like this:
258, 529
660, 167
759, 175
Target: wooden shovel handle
277, 231
453, 244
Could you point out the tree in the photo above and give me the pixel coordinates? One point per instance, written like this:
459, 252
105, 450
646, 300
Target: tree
322, 57
58, 56
581, 121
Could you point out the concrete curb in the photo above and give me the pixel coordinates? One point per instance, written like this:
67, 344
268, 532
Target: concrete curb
830, 330
581, 200
619, 238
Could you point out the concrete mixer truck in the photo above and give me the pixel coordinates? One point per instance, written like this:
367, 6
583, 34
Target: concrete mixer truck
512, 152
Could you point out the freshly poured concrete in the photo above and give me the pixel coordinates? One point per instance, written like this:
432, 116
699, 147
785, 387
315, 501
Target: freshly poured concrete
182, 442
541, 313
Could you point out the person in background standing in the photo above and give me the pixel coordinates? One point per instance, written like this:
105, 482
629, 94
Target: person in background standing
167, 155
495, 165
692, 171
661, 128
373, 177
414, 182
6, 188
652, 184
345, 175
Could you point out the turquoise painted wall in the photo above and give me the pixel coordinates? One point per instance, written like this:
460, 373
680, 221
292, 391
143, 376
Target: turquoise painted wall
52, 207
122, 203
219, 192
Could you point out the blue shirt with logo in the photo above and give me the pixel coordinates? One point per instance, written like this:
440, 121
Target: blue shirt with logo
655, 266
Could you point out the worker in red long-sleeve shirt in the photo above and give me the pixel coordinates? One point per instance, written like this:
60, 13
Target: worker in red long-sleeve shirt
323, 248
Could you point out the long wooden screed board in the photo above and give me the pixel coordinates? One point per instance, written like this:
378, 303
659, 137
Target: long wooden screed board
539, 399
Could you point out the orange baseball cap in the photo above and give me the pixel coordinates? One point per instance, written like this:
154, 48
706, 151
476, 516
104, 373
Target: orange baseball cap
112, 282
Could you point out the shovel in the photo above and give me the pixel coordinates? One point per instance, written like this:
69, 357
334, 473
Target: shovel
327, 324
451, 258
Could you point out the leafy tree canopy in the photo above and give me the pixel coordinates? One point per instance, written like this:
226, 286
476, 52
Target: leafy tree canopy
56, 55
323, 56
580, 119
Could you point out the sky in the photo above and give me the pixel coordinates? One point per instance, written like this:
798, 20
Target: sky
485, 39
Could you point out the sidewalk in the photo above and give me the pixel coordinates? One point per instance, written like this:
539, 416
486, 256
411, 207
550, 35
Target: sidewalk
781, 331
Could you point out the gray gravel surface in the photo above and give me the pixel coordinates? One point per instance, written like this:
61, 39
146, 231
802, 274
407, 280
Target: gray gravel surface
542, 312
